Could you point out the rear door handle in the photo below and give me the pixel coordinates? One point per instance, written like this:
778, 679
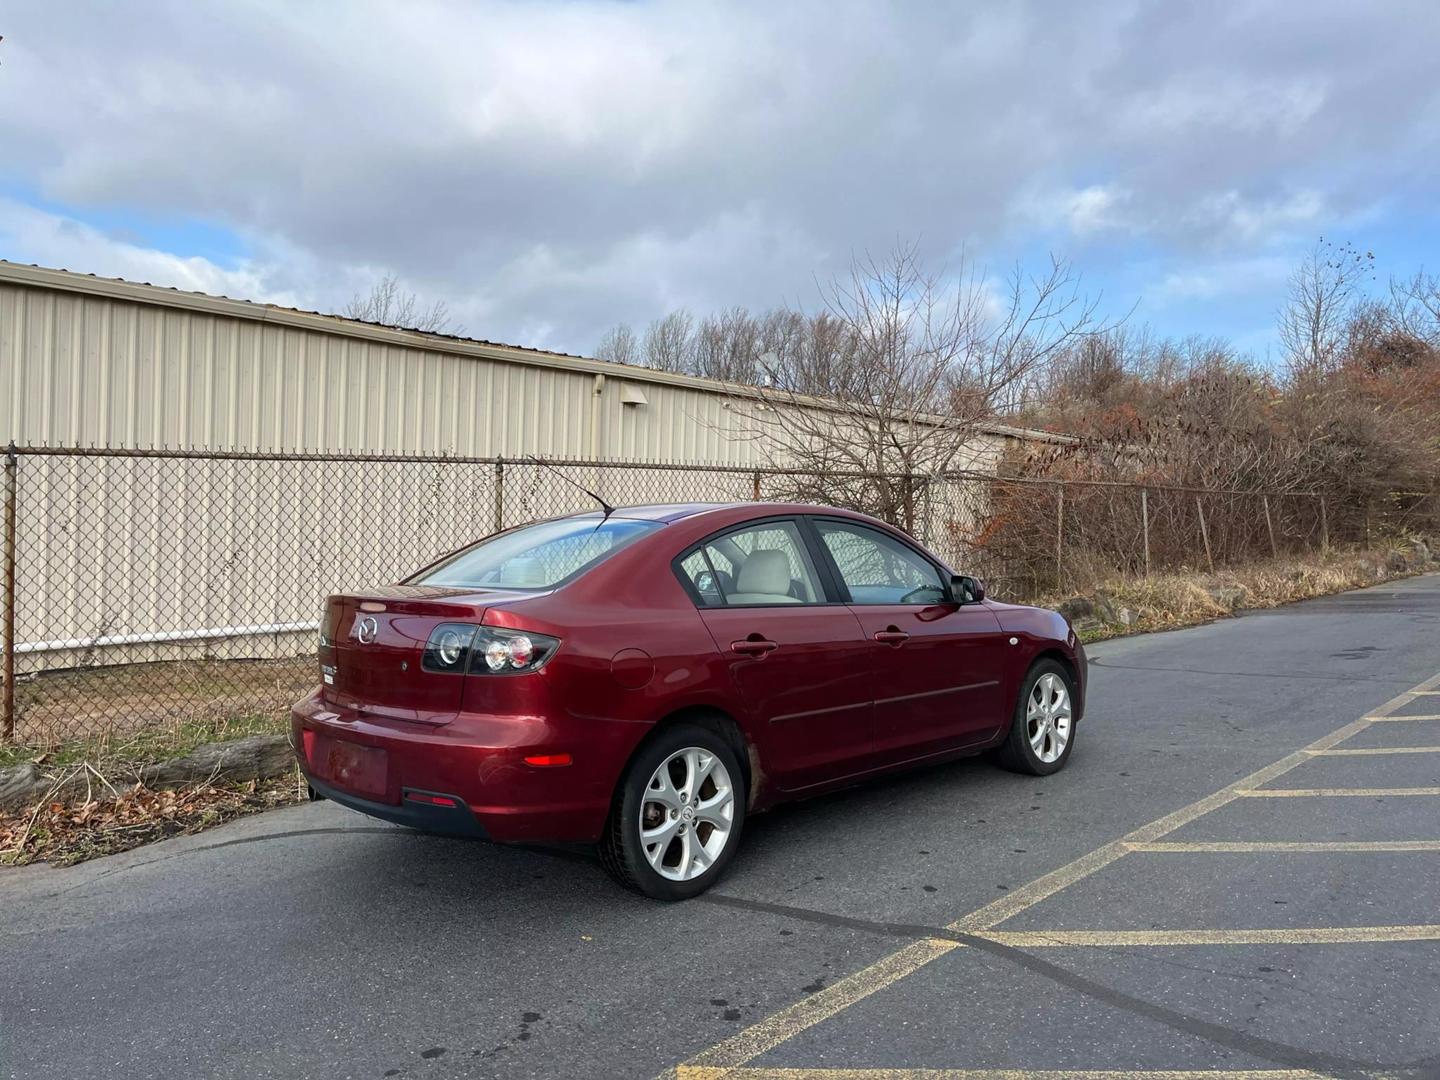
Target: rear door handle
892, 637
752, 647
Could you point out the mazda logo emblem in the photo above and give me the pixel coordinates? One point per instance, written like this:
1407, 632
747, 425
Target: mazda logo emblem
366, 629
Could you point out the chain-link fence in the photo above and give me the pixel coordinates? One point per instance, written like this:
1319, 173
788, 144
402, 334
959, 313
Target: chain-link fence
148, 587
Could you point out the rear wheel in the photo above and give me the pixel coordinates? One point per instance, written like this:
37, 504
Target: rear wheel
1043, 728
678, 814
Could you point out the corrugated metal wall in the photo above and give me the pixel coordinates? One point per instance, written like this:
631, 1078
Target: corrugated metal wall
122, 370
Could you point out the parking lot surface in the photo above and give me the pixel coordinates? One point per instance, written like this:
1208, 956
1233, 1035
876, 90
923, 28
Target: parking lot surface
1237, 875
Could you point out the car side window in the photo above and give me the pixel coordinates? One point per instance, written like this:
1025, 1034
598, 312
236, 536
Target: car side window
878, 569
763, 564
705, 580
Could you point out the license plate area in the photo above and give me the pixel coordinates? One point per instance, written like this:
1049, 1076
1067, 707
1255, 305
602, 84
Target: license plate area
362, 769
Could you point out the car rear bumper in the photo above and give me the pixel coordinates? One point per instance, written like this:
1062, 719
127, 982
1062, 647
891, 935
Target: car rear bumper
477, 760
447, 821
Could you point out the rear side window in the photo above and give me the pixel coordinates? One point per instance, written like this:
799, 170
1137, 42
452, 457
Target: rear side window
538, 556
761, 565
877, 568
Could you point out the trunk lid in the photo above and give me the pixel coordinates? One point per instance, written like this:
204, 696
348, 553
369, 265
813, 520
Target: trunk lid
372, 645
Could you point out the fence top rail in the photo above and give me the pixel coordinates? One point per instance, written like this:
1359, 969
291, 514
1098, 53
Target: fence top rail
1133, 485
196, 454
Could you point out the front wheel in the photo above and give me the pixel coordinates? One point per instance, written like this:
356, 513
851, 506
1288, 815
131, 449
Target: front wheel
677, 815
1042, 731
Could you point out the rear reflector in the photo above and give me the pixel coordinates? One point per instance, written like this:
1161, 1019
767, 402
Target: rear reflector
430, 800
548, 761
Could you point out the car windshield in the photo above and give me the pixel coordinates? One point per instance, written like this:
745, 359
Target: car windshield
538, 556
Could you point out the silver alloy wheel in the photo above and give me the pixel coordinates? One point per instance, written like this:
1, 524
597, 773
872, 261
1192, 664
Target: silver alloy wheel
1047, 717
687, 814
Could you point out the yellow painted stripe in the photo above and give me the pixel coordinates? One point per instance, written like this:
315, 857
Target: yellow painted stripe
772, 1031
1373, 751
1401, 719
1263, 846
744, 1046
1326, 793
1305, 935
692, 1072
1027, 896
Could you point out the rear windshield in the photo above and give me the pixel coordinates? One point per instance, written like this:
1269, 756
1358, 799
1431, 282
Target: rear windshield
538, 556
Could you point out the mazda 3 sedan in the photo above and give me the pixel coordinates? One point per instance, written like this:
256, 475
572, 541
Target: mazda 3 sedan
646, 678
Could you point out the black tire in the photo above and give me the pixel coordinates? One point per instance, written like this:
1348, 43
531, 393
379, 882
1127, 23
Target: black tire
621, 851
1016, 753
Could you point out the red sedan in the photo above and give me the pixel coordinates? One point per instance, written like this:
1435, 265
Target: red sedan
645, 678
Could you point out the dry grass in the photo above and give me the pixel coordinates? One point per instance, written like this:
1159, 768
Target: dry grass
1188, 597
71, 831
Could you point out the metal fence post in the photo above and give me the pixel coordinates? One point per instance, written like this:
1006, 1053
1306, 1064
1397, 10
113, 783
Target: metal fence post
1145, 525
1204, 534
499, 494
755, 487
12, 463
1059, 535
1270, 528
1325, 528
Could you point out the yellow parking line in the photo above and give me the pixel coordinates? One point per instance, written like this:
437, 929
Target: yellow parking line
1371, 751
1028, 896
692, 1072
1401, 719
1336, 792
744, 1046
755, 1040
1305, 935
1263, 846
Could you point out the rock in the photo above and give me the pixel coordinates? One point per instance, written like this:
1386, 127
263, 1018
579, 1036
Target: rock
1397, 561
1125, 617
1086, 624
255, 757
1417, 552
21, 784
1229, 597
1105, 608
1077, 607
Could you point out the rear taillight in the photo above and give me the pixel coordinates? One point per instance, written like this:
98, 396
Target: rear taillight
449, 647
511, 652
455, 648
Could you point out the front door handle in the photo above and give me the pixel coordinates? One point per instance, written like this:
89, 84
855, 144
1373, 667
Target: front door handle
892, 637
754, 647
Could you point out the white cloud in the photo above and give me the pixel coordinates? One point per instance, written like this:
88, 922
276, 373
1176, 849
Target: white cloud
548, 169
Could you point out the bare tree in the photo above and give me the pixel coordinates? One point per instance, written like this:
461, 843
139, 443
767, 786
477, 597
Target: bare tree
1323, 290
390, 305
909, 363
1415, 302
667, 342
619, 346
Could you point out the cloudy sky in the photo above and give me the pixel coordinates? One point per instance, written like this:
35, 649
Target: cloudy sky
550, 168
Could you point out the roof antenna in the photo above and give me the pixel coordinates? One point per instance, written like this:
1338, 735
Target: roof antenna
574, 483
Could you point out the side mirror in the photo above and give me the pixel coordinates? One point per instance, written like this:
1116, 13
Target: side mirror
965, 589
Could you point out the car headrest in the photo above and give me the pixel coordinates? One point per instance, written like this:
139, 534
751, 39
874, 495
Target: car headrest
764, 572
523, 570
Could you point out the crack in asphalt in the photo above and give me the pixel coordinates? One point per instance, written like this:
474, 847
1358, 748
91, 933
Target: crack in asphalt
1286, 677
1266, 1049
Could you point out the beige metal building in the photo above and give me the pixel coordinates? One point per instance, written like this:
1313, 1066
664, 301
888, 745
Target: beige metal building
98, 361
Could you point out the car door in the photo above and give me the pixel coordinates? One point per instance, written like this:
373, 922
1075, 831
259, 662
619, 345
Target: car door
797, 656
936, 663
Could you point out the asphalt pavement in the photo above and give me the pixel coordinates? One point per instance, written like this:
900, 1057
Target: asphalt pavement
1238, 873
